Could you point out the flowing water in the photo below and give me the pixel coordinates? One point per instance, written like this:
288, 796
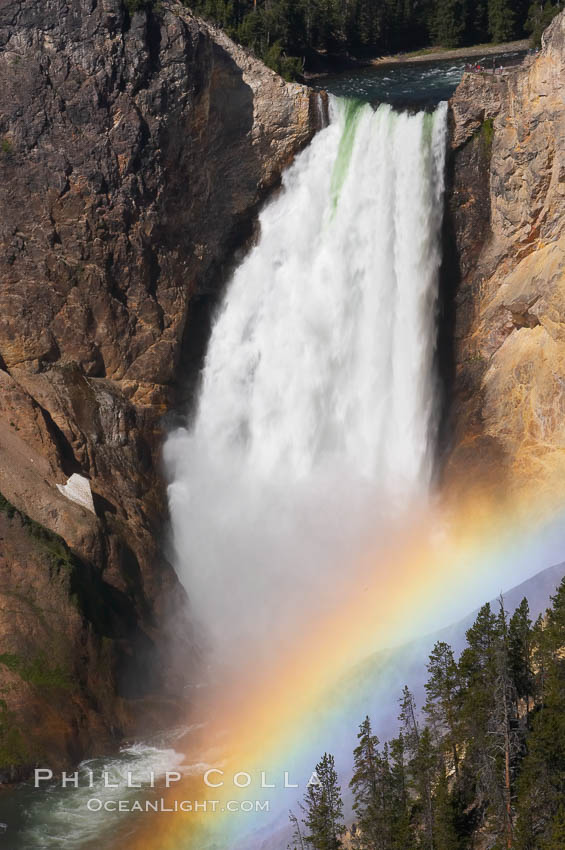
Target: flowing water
316, 413
316, 409
414, 84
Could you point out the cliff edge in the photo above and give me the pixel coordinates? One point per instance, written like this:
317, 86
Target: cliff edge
507, 214
134, 150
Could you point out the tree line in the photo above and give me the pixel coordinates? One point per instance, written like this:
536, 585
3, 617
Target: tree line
485, 756
287, 34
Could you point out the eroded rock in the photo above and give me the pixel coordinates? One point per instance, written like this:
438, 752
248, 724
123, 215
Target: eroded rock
507, 204
134, 151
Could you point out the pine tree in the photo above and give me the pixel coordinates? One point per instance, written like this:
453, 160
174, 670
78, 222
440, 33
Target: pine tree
477, 20
501, 20
510, 775
541, 660
542, 780
324, 808
448, 22
420, 757
368, 791
402, 831
298, 842
442, 707
424, 770
408, 722
556, 620
477, 670
445, 817
504, 742
520, 652
556, 838
286, 33
540, 15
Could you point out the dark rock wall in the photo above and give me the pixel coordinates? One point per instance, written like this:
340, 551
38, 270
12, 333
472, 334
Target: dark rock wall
134, 151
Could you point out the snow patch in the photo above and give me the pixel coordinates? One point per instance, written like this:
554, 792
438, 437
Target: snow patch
77, 489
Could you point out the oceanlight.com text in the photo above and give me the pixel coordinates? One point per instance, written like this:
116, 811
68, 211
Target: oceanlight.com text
171, 806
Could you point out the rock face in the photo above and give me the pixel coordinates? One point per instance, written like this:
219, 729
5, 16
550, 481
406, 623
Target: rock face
507, 212
134, 150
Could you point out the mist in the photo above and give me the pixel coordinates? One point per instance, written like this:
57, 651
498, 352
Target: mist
315, 423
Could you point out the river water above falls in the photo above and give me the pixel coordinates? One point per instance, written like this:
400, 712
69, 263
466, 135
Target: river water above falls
414, 84
315, 420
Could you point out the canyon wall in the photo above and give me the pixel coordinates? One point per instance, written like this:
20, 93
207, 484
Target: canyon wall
134, 150
506, 216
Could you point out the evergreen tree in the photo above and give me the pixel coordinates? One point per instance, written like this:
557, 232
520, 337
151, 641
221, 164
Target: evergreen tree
510, 776
420, 760
541, 659
477, 670
501, 20
542, 780
298, 842
402, 832
477, 21
442, 707
556, 625
408, 722
368, 792
520, 650
445, 818
324, 808
540, 15
504, 741
423, 767
448, 22
556, 838
287, 33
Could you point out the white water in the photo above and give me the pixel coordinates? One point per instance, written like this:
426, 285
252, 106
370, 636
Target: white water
316, 413
315, 421
60, 818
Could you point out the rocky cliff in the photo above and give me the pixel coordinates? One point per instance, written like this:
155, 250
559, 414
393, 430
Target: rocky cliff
507, 218
134, 149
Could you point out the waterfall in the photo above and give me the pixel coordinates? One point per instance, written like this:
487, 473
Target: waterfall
315, 418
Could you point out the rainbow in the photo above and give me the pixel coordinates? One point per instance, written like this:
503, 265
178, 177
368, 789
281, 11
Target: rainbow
269, 726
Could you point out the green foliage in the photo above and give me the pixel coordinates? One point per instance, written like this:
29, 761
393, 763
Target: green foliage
487, 132
59, 554
501, 20
446, 835
493, 750
289, 67
379, 791
109, 611
402, 828
6, 507
6, 148
448, 22
556, 837
13, 749
520, 647
297, 837
36, 671
287, 34
323, 808
477, 20
443, 704
542, 781
540, 16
